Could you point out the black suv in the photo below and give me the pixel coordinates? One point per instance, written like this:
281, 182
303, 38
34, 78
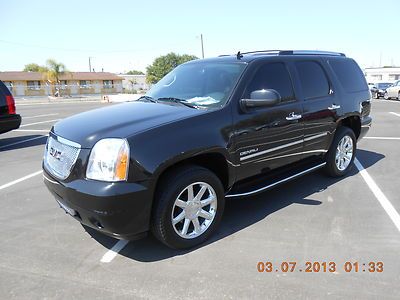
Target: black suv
9, 119
210, 130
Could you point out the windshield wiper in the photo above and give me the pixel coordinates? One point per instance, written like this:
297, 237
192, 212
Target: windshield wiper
177, 100
148, 98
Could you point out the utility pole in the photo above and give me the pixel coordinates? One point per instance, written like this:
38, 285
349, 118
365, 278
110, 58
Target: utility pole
202, 46
90, 65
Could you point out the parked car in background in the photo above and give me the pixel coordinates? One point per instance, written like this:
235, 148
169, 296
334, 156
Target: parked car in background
393, 91
9, 119
379, 89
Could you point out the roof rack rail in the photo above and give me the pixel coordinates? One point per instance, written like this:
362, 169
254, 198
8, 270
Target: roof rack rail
310, 52
291, 52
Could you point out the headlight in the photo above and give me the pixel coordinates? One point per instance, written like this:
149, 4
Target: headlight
109, 160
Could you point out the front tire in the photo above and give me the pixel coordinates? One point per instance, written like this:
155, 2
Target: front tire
340, 156
189, 205
386, 96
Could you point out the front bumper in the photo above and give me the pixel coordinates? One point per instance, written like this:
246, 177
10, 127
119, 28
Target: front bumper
366, 123
120, 209
9, 122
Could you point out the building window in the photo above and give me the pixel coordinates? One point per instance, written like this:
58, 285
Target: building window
108, 84
376, 77
84, 84
394, 76
33, 85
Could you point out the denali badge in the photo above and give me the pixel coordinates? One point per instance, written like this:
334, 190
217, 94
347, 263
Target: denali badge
55, 153
248, 151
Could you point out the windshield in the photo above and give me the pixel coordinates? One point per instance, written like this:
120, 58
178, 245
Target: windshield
383, 85
201, 84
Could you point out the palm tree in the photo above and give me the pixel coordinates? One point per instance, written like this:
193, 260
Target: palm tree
53, 71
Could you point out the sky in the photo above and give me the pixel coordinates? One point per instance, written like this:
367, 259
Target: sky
124, 35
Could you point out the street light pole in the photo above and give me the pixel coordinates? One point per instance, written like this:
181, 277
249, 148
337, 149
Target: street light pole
90, 65
202, 45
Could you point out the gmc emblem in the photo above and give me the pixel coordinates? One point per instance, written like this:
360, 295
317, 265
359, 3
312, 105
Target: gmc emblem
55, 153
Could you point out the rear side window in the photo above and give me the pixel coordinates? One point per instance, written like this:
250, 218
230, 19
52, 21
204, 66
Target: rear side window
272, 76
313, 79
349, 74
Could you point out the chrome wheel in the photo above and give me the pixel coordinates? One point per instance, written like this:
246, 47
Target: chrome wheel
344, 153
194, 210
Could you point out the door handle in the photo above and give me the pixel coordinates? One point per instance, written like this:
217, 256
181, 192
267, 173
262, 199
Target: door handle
333, 107
292, 117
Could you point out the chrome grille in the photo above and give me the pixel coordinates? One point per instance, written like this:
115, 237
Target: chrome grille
60, 156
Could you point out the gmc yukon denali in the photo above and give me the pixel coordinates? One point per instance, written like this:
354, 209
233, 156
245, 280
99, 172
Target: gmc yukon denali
210, 130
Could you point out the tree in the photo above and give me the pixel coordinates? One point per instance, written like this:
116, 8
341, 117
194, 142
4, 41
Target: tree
34, 68
135, 72
54, 70
164, 64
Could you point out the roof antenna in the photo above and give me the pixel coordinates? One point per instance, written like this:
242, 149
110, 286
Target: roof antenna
239, 55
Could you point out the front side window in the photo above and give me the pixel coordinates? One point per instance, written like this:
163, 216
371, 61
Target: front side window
313, 79
204, 84
272, 76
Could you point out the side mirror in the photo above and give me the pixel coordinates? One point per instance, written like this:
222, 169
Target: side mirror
261, 98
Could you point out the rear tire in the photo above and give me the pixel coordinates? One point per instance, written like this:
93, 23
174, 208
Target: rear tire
189, 205
340, 156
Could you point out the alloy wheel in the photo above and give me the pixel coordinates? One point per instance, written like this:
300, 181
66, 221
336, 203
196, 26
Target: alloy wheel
344, 153
194, 210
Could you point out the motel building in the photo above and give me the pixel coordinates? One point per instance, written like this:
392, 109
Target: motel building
386, 74
72, 83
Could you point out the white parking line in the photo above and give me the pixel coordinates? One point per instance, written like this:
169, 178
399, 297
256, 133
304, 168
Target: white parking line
23, 141
4, 186
32, 130
39, 116
112, 253
39, 123
381, 138
387, 206
393, 113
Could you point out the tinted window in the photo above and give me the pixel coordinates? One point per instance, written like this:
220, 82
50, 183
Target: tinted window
313, 79
272, 76
349, 74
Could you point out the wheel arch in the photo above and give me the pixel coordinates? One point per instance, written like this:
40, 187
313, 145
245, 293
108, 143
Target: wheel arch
353, 122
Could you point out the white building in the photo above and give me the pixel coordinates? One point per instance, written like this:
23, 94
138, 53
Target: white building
134, 82
388, 74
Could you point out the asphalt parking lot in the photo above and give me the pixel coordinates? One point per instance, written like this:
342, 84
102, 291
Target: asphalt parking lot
47, 254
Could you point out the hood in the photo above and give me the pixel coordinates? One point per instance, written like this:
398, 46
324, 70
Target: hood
119, 121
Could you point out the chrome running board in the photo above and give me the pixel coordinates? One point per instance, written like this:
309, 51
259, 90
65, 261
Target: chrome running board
277, 182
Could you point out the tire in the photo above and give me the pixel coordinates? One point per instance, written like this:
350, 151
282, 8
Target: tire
336, 163
171, 203
386, 96
398, 96
376, 96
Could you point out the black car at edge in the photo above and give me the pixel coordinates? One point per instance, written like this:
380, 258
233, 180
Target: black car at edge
9, 119
210, 130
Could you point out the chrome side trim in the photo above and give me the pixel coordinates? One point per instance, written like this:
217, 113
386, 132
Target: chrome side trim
293, 154
270, 150
284, 146
315, 136
278, 182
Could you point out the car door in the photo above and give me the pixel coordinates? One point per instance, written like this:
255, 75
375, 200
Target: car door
268, 137
394, 90
320, 106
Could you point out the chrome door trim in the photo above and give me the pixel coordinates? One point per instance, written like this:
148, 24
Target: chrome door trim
283, 146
